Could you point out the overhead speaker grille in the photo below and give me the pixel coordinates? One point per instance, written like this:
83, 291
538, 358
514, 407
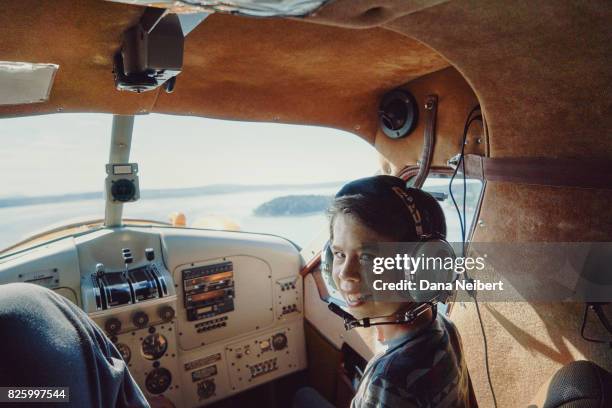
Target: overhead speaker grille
398, 114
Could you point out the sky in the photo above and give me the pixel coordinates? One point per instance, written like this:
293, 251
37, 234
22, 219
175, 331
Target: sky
66, 153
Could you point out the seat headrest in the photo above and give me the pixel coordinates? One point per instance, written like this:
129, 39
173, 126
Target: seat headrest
579, 384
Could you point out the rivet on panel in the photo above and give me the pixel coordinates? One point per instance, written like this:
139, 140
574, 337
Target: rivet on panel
481, 223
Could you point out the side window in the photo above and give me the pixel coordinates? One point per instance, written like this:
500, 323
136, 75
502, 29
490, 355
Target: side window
437, 184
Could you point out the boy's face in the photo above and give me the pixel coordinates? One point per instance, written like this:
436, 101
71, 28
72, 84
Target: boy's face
351, 258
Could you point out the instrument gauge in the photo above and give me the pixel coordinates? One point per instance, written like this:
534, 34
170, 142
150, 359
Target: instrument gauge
206, 389
158, 380
154, 346
279, 341
125, 352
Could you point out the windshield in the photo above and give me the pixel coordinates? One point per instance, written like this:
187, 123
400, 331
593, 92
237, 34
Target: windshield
51, 170
255, 177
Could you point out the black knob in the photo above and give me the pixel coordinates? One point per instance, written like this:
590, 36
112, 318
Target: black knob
166, 313
112, 325
128, 259
126, 250
279, 341
140, 319
150, 254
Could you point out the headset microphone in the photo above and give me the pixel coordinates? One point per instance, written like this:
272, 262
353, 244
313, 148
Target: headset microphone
350, 321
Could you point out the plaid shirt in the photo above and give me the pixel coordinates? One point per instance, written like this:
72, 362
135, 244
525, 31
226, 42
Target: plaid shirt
425, 369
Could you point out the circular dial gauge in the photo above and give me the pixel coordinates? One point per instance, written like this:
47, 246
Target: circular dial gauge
279, 341
158, 380
206, 389
125, 351
154, 346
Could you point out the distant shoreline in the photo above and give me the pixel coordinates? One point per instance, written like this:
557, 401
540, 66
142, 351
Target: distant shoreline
165, 193
293, 205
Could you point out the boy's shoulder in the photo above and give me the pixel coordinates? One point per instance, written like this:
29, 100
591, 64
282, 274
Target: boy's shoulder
427, 366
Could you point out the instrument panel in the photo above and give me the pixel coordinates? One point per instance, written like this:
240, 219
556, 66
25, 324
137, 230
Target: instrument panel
212, 303
197, 315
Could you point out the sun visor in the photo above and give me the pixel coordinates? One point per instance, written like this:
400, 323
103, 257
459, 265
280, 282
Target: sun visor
23, 82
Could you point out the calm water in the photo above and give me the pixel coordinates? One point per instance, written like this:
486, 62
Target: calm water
17, 223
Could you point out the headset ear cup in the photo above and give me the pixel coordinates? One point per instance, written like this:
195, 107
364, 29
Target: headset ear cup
435, 253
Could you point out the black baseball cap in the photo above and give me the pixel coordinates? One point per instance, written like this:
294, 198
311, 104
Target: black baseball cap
410, 209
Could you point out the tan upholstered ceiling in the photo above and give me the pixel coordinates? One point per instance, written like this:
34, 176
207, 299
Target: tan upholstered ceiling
234, 67
541, 70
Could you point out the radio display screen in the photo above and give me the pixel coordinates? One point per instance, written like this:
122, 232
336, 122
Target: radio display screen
208, 290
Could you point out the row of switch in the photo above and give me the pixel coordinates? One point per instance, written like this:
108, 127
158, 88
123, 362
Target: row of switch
211, 324
290, 309
287, 286
263, 368
211, 327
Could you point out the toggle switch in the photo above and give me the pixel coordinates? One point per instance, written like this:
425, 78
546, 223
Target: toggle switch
100, 270
150, 254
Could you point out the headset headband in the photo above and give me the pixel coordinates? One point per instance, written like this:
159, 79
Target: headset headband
392, 188
408, 201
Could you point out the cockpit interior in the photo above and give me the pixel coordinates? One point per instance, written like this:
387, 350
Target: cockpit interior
514, 94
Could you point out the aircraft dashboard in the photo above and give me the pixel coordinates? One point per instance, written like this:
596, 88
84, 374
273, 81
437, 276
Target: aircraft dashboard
197, 315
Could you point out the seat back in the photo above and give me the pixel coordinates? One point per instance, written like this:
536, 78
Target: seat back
579, 384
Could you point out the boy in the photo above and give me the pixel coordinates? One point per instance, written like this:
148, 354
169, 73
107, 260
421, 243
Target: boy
423, 364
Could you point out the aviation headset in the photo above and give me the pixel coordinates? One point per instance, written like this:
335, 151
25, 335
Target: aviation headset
425, 215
